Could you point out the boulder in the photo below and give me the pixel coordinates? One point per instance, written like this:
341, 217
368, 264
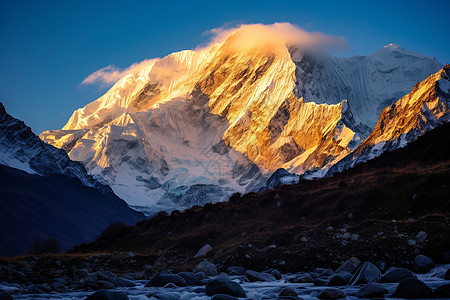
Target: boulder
367, 273
372, 290
254, 276
105, 275
288, 292
348, 276
191, 278
423, 264
206, 267
336, 280
350, 265
123, 282
441, 292
59, 287
397, 275
234, 270
107, 295
331, 293
223, 297
412, 288
275, 273
224, 286
162, 279
203, 251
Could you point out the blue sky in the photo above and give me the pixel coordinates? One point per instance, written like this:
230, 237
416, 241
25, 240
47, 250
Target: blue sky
47, 48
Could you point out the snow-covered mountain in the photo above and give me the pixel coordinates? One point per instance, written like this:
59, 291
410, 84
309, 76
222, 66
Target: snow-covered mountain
197, 126
370, 83
424, 108
21, 149
44, 195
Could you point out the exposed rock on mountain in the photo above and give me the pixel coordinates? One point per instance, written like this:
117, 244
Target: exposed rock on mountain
197, 126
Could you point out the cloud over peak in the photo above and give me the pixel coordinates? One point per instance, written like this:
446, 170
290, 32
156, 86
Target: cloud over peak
244, 37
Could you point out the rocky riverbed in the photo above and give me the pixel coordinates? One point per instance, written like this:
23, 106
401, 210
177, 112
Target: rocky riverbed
129, 276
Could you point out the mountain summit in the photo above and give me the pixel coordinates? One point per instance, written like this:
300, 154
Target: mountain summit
197, 126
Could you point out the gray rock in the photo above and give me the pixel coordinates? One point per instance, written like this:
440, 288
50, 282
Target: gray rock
350, 265
336, 280
162, 280
288, 292
223, 297
275, 273
367, 273
381, 265
5, 296
107, 295
331, 293
206, 267
423, 264
201, 275
372, 290
441, 292
224, 286
191, 278
421, 236
105, 275
234, 270
397, 275
348, 276
254, 276
123, 282
301, 279
59, 287
203, 251
411, 288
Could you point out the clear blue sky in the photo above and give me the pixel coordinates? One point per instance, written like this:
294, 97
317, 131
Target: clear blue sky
47, 48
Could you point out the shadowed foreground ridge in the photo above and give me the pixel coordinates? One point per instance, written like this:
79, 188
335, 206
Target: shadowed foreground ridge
385, 202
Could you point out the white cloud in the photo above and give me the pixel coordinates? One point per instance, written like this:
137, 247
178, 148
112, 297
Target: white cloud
107, 76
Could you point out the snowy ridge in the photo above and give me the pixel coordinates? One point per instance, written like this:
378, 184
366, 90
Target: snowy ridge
369, 83
20, 148
424, 108
197, 126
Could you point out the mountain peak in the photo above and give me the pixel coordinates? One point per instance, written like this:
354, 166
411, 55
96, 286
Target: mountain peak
393, 46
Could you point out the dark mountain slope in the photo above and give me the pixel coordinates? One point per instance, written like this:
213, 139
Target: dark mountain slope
56, 206
385, 201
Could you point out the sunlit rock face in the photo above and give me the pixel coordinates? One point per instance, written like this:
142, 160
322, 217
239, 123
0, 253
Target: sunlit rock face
197, 126
424, 108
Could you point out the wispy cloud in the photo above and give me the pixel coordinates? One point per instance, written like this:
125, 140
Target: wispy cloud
242, 37
107, 76
247, 36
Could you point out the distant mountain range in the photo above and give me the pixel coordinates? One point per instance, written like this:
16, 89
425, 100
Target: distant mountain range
197, 126
46, 196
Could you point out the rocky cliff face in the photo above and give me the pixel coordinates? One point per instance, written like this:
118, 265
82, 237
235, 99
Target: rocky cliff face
197, 126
